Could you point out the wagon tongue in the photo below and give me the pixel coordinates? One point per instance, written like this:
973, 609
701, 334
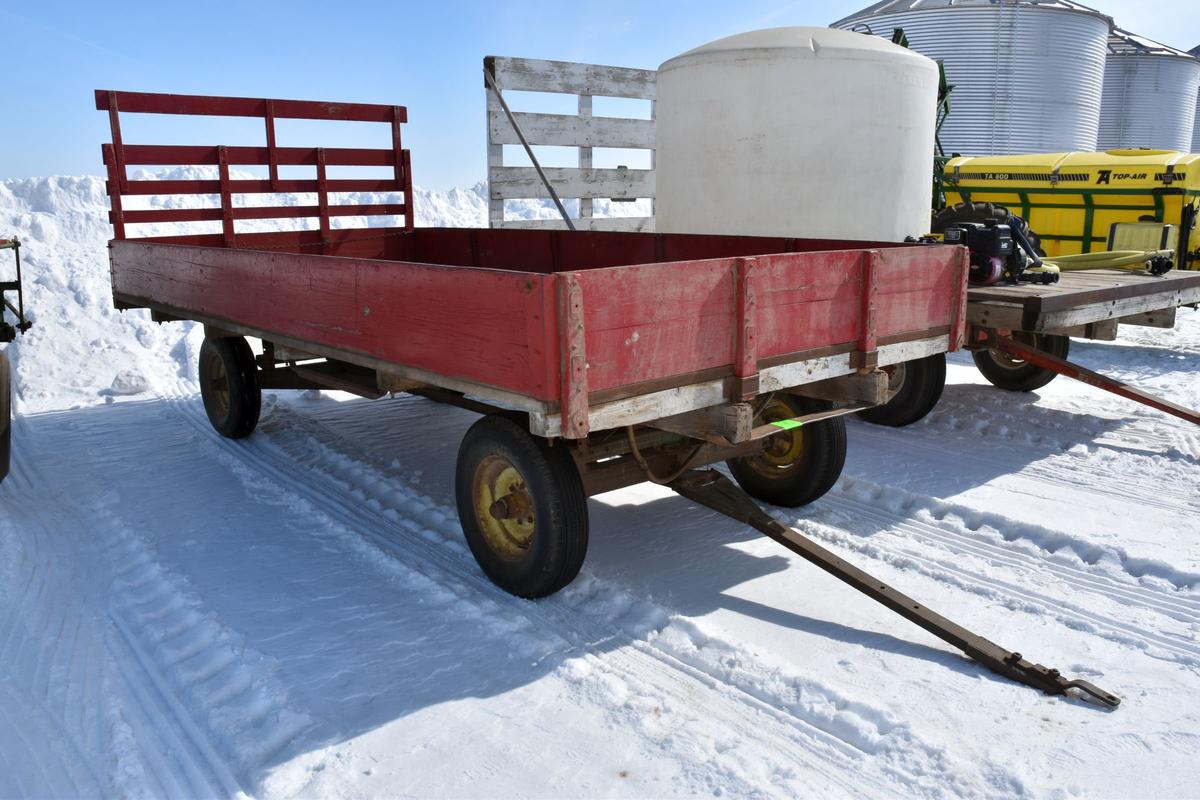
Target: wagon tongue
712, 489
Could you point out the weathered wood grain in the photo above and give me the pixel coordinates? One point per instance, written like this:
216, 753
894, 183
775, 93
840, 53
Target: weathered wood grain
509, 183
537, 75
572, 131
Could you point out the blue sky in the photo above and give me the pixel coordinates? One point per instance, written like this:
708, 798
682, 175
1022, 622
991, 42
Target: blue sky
425, 55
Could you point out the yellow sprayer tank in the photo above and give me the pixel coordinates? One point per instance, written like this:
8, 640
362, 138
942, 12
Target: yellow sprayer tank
1072, 199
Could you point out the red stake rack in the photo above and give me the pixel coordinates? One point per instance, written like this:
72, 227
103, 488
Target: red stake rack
119, 156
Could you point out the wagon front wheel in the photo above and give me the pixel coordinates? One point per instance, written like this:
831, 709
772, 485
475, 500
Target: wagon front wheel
799, 464
229, 386
522, 507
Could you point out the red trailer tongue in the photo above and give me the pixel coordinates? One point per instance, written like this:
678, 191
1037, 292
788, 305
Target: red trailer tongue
711, 488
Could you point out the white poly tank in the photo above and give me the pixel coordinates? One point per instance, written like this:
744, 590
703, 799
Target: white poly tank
806, 132
1149, 95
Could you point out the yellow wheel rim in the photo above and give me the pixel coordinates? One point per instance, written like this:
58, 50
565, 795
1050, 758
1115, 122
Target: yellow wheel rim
218, 384
503, 507
782, 451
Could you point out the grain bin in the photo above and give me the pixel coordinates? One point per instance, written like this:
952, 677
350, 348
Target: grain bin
1027, 74
806, 132
1149, 94
1195, 51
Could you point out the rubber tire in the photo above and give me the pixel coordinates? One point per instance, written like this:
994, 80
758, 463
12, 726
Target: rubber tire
560, 507
982, 212
1027, 377
245, 395
5, 416
924, 380
820, 464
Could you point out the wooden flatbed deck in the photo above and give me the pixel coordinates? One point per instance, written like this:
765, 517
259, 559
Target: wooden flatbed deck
1084, 298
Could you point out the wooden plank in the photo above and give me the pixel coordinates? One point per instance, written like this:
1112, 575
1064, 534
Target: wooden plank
568, 77
584, 108
627, 224
571, 131
1115, 309
204, 105
261, 186
523, 182
179, 154
262, 212
393, 311
1084, 287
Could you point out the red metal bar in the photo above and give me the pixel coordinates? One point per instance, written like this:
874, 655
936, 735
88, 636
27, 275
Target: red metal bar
203, 105
1035, 356
745, 363
322, 201
171, 155
574, 400
226, 198
272, 155
256, 186
260, 212
114, 121
408, 204
117, 213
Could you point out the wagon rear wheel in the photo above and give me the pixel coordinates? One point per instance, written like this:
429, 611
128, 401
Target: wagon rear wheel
1015, 374
798, 465
916, 387
229, 386
522, 507
5, 417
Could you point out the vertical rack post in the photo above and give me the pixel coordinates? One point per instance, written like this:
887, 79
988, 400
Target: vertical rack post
114, 159
585, 155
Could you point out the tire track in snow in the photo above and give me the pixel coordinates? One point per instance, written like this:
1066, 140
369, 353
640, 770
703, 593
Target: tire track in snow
41, 635
366, 498
1177, 499
64, 679
856, 501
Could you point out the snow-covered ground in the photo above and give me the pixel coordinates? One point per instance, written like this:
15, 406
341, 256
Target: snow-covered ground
296, 614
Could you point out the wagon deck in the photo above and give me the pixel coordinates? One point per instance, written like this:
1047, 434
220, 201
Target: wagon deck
585, 331
1085, 298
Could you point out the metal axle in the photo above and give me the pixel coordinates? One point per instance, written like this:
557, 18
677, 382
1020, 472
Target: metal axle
711, 488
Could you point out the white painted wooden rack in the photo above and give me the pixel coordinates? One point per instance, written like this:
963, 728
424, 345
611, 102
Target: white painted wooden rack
581, 130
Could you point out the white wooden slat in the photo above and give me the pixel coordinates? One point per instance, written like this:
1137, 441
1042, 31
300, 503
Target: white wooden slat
635, 224
584, 107
571, 131
515, 183
568, 77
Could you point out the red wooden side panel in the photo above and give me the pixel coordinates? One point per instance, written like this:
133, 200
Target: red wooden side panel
808, 301
919, 287
656, 321
485, 326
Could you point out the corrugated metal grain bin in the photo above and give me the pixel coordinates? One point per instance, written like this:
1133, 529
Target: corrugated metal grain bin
1195, 51
1027, 74
1149, 94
